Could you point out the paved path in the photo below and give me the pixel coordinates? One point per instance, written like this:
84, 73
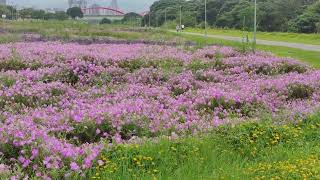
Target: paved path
301, 46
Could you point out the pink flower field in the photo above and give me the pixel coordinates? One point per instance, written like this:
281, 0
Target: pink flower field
61, 104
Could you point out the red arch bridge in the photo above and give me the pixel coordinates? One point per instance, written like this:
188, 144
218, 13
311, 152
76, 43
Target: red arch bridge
102, 11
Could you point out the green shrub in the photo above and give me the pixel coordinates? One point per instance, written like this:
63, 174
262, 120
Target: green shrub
102, 79
7, 81
197, 65
299, 91
288, 68
132, 65
105, 21
12, 64
71, 78
131, 129
86, 132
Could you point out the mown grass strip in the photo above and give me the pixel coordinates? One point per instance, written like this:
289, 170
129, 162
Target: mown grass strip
310, 57
273, 36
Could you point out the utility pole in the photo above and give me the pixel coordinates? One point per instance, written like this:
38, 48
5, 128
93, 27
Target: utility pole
205, 19
165, 18
255, 26
180, 16
150, 19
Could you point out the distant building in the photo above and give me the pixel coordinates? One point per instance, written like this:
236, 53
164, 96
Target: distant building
3, 2
53, 10
94, 10
77, 3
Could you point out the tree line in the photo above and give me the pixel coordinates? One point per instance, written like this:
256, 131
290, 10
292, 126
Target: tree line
301, 16
73, 12
30, 13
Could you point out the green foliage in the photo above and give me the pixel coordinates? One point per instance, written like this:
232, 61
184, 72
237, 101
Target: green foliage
246, 151
7, 81
215, 62
4, 10
132, 129
283, 68
299, 91
75, 12
308, 22
102, 79
59, 15
25, 13
8, 151
86, 132
273, 15
14, 63
28, 13
132, 65
38, 14
131, 18
105, 21
71, 78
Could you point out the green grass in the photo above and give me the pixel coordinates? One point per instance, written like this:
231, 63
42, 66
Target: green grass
75, 29
310, 57
272, 36
246, 151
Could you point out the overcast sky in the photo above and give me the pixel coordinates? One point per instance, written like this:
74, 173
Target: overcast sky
126, 5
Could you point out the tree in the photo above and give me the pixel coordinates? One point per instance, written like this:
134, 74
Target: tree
105, 21
38, 14
308, 22
13, 12
26, 13
61, 15
273, 15
131, 16
4, 11
75, 12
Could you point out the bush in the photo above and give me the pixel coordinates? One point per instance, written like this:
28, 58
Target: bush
105, 21
299, 91
88, 132
12, 64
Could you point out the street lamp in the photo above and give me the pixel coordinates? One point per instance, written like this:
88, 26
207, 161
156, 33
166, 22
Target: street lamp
255, 25
180, 16
149, 19
165, 18
205, 19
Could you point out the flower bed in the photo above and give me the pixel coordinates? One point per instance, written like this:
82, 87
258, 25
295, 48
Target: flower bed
61, 104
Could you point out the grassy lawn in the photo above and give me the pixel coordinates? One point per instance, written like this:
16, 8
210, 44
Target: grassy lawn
310, 57
272, 36
247, 151
74, 29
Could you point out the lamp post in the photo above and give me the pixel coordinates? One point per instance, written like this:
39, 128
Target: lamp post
205, 19
180, 16
165, 18
255, 25
149, 19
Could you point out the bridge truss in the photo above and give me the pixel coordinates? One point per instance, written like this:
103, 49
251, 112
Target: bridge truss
102, 11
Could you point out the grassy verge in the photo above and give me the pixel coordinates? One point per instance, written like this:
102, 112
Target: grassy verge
247, 151
76, 29
310, 57
273, 36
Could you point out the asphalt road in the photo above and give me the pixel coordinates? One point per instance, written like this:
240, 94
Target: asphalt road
301, 46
